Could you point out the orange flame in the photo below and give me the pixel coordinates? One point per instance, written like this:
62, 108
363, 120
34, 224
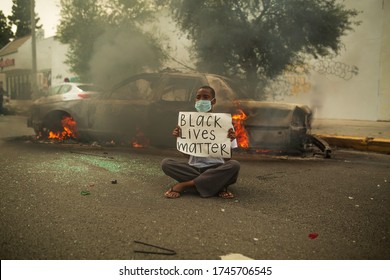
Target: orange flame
140, 140
241, 133
69, 127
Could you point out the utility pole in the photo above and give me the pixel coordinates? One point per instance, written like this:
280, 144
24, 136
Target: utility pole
34, 86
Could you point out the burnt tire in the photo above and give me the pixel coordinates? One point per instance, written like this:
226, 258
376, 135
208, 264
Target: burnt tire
57, 123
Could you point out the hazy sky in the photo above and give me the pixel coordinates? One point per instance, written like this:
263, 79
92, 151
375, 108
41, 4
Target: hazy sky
48, 11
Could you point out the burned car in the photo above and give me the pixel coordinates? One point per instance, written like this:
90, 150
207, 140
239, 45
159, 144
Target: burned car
143, 109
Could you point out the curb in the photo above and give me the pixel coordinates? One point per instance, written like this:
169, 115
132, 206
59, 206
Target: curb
368, 144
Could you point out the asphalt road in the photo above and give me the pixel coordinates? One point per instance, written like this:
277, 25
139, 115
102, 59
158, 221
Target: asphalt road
286, 207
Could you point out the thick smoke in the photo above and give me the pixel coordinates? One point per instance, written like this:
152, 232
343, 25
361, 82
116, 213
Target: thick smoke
125, 51
122, 52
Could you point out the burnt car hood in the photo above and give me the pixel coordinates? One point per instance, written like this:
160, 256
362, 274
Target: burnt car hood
272, 125
273, 114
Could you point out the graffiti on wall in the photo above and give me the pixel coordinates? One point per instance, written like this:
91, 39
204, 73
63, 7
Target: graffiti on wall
296, 78
335, 68
293, 81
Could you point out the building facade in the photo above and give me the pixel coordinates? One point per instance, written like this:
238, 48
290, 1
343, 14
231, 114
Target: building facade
353, 85
16, 65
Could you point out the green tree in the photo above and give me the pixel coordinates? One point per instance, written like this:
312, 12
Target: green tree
21, 17
107, 39
81, 23
257, 39
6, 33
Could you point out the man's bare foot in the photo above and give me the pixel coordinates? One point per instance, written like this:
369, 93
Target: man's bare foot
171, 193
225, 194
176, 190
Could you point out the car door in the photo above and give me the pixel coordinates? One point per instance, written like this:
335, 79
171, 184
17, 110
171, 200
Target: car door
122, 113
177, 93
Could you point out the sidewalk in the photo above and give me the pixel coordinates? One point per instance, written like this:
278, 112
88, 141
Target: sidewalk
354, 134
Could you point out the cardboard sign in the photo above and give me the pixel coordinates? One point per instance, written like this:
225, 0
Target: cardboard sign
204, 134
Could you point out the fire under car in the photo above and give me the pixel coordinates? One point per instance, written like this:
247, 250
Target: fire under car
143, 109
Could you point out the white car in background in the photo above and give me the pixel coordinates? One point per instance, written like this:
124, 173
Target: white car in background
68, 91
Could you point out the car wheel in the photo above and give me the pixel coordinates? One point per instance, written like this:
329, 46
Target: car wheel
58, 125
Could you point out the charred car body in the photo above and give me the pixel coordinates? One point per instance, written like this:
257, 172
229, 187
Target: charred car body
143, 109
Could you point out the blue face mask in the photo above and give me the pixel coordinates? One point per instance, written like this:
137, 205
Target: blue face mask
203, 105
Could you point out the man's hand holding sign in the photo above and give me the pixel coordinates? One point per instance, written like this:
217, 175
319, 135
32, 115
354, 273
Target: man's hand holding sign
204, 134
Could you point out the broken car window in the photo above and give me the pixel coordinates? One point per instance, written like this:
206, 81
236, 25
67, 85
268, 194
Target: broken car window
180, 89
223, 91
140, 89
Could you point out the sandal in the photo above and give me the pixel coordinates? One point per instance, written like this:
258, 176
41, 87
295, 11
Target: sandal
171, 193
225, 194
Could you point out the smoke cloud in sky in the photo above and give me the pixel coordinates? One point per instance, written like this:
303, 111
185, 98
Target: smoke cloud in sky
120, 53
124, 51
